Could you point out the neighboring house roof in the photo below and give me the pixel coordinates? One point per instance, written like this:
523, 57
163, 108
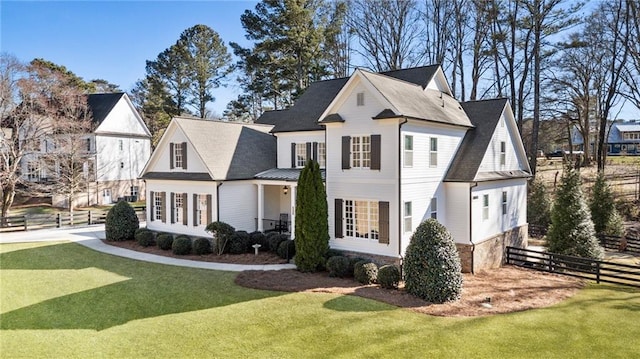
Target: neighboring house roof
305, 113
484, 115
101, 104
229, 150
284, 174
615, 133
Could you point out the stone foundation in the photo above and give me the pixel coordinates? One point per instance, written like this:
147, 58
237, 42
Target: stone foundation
490, 253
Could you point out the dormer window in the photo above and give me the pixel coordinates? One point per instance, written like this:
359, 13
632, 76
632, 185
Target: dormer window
360, 99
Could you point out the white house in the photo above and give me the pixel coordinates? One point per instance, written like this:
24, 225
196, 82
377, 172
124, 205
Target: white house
117, 149
395, 148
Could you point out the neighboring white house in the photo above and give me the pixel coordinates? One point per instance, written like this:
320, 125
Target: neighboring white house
117, 149
395, 148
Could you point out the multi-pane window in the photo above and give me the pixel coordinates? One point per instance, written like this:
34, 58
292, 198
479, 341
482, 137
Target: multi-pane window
157, 206
301, 154
360, 99
631, 135
485, 207
134, 191
33, 171
322, 154
362, 219
504, 202
503, 155
178, 209
88, 145
177, 156
408, 151
361, 152
434, 208
433, 152
201, 210
407, 217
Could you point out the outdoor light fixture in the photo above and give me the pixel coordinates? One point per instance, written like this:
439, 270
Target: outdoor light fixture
285, 190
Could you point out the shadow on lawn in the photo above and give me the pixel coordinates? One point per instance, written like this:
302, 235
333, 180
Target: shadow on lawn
151, 290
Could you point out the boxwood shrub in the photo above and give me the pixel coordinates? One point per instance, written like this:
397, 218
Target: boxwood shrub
239, 242
287, 249
389, 276
274, 240
144, 237
164, 241
181, 245
201, 246
338, 266
353, 261
258, 237
365, 272
332, 253
121, 222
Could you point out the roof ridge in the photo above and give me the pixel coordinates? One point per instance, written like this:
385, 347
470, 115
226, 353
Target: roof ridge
393, 78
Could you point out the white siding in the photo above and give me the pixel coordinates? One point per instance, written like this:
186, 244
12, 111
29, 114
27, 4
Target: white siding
491, 160
497, 222
161, 164
238, 204
285, 139
122, 119
120, 163
189, 187
456, 217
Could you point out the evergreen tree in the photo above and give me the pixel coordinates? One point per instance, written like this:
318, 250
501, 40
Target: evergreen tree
538, 204
571, 231
606, 219
312, 229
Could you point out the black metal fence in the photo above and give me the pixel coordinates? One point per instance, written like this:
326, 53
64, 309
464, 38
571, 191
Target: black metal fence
621, 244
599, 271
59, 219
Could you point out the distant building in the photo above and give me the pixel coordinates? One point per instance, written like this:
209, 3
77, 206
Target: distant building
623, 139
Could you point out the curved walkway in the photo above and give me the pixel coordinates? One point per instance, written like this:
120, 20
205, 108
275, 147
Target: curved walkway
91, 236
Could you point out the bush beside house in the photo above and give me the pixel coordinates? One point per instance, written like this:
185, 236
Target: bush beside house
121, 222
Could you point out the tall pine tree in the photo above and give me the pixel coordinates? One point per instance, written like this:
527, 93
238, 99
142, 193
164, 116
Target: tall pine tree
312, 228
606, 219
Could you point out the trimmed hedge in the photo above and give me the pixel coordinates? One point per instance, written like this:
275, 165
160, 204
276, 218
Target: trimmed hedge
389, 276
121, 222
145, 237
239, 242
181, 245
338, 266
332, 253
164, 241
258, 237
365, 272
287, 249
353, 261
201, 246
274, 240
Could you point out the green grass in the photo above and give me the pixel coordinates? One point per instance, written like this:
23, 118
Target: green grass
65, 301
624, 160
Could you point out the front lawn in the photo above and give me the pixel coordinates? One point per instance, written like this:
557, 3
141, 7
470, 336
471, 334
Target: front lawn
62, 300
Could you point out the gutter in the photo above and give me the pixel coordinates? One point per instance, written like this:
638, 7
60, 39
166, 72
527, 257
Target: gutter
473, 245
218, 200
405, 120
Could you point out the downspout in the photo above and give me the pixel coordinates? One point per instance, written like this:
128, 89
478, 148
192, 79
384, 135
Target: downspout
473, 245
218, 201
400, 193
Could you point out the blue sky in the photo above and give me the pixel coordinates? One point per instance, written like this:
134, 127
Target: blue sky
111, 40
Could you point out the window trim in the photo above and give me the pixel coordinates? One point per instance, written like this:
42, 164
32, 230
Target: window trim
322, 154
157, 206
408, 152
485, 207
301, 154
356, 216
408, 216
503, 153
359, 99
504, 203
433, 208
177, 156
360, 154
433, 152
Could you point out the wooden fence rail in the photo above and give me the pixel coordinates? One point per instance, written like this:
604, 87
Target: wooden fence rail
599, 271
59, 219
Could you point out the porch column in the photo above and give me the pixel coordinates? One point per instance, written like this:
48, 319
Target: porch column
260, 206
293, 211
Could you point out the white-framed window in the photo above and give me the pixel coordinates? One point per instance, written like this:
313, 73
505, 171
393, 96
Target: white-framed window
301, 154
322, 155
408, 151
178, 209
201, 210
157, 206
503, 153
361, 151
362, 219
504, 202
485, 207
433, 152
134, 191
433, 212
360, 99
407, 217
34, 171
177, 156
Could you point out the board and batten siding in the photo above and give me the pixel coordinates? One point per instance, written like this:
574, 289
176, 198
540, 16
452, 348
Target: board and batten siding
238, 204
497, 223
285, 139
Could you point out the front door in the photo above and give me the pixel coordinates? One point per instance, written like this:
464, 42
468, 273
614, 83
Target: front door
106, 196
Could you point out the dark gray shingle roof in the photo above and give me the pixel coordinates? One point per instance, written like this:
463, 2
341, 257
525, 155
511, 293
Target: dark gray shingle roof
101, 104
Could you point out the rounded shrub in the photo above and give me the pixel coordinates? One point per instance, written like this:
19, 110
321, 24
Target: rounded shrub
389, 276
201, 246
332, 253
365, 272
121, 222
352, 263
432, 265
287, 249
181, 245
239, 242
144, 237
221, 233
164, 241
274, 240
338, 266
258, 237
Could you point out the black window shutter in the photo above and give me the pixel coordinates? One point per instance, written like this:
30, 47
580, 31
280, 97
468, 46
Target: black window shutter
309, 155
195, 209
383, 210
184, 156
171, 155
338, 218
293, 155
185, 210
173, 207
163, 210
314, 152
346, 152
209, 209
376, 149
151, 203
